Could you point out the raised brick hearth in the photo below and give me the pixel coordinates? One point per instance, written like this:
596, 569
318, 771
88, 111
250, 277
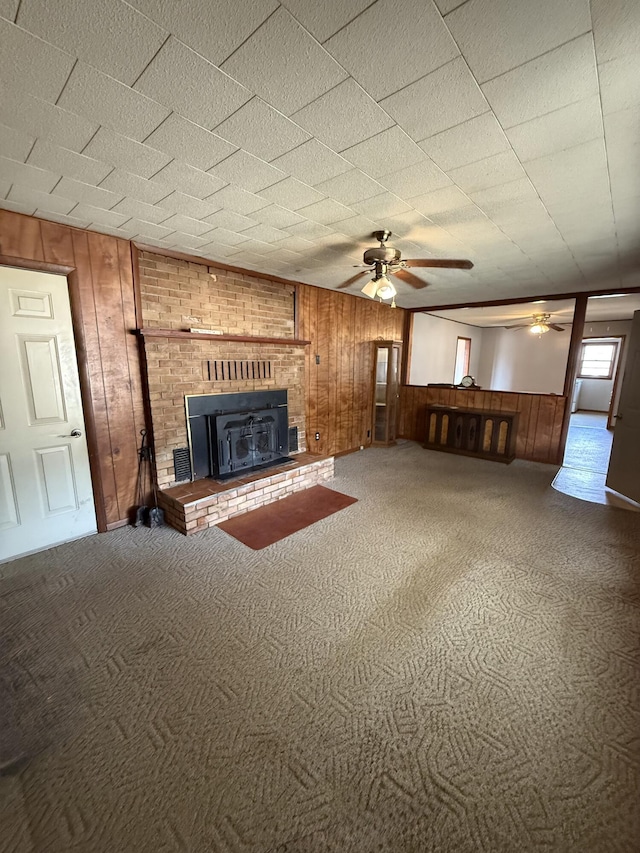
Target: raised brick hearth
205, 503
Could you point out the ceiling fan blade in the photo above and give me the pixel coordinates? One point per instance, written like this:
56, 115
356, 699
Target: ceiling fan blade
446, 263
411, 279
555, 327
519, 326
353, 278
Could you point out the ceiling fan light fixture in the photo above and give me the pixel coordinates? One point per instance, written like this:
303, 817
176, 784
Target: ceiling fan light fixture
386, 290
539, 328
370, 289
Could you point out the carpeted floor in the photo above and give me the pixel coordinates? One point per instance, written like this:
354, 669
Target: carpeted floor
449, 664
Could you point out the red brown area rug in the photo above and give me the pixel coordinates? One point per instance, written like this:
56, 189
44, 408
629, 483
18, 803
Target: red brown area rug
271, 523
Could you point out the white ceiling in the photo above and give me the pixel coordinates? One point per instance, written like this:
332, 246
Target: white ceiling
279, 136
560, 310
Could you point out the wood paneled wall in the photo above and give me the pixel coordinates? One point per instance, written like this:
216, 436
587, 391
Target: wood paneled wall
339, 398
539, 434
100, 279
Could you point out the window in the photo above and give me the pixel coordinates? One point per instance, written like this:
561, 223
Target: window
597, 360
463, 355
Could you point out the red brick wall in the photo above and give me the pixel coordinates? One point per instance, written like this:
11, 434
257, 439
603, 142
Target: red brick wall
174, 293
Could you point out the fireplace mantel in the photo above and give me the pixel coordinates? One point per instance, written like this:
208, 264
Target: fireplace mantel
197, 336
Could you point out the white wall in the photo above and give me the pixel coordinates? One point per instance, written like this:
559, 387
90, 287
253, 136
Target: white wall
516, 360
433, 349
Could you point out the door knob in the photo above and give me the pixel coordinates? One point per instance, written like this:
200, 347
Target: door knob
618, 417
75, 433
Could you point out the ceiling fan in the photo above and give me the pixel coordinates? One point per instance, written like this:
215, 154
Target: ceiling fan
539, 326
384, 260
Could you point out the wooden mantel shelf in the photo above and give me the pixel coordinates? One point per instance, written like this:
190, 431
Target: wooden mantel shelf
196, 336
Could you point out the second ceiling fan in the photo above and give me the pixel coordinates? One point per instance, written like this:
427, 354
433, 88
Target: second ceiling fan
384, 260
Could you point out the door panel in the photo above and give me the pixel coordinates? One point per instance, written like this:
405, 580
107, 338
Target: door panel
624, 466
46, 494
8, 501
42, 381
57, 483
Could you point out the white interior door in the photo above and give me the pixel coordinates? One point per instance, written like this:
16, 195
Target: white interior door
45, 483
624, 466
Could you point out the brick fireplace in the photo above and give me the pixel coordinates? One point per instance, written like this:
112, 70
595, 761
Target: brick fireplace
255, 350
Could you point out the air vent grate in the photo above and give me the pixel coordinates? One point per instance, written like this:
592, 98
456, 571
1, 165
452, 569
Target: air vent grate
182, 464
230, 370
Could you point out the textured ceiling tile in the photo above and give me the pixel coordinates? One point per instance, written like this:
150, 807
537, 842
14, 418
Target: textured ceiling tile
135, 209
363, 47
134, 186
247, 172
385, 204
15, 144
185, 242
79, 28
27, 176
73, 221
561, 77
117, 150
87, 193
194, 207
30, 65
555, 131
359, 227
465, 143
309, 230
229, 221
446, 6
296, 244
8, 9
239, 201
324, 19
616, 25
265, 233
292, 194
447, 198
326, 211
278, 217
351, 186
97, 215
187, 179
420, 178
214, 36
499, 169
17, 207
187, 225
38, 199
275, 64
190, 143
407, 225
343, 117
620, 83
45, 155
479, 28
40, 118
226, 237
100, 98
148, 229
440, 100
262, 131
312, 162
385, 152
179, 78
520, 190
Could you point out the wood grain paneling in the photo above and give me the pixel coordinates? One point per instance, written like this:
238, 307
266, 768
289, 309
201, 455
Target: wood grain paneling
102, 301
539, 423
341, 329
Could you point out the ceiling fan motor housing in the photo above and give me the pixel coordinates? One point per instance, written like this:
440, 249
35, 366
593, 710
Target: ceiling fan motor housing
382, 254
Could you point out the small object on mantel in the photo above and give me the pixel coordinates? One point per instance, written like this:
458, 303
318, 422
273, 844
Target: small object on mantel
206, 331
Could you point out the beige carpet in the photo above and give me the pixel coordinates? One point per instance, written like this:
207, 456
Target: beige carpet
450, 664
